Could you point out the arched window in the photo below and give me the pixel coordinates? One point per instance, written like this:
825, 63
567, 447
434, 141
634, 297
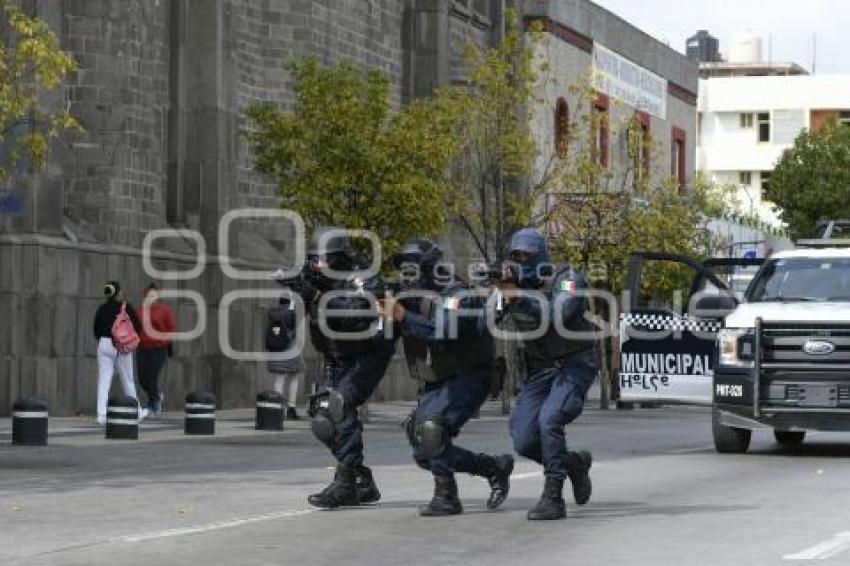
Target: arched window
562, 128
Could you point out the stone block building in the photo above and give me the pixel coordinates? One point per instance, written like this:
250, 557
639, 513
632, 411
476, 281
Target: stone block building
160, 91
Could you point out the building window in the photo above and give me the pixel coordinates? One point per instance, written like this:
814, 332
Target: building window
562, 128
745, 178
746, 120
844, 117
764, 127
600, 129
678, 156
765, 182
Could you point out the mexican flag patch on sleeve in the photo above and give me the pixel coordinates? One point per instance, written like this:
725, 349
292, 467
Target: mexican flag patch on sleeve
568, 286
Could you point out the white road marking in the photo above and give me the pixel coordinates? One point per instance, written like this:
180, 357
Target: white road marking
233, 523
154, 535
526, 475
824, 550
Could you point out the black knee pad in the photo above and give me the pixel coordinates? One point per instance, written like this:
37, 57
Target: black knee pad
328, 412
324, 429
431, 437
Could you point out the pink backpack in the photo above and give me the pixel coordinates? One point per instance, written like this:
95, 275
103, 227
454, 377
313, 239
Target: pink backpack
124, 335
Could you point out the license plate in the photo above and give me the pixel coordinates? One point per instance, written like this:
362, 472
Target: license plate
819, 396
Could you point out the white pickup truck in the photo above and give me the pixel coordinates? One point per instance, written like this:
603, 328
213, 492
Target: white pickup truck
787, 338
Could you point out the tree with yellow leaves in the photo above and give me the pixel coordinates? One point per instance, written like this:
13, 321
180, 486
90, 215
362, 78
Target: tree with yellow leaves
31, 63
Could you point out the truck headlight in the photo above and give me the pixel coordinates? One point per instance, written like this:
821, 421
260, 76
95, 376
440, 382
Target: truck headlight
735, 346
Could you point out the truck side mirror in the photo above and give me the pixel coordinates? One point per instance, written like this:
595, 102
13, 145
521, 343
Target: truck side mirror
713, 306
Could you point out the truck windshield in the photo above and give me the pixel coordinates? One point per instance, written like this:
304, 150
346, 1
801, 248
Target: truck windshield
802, 279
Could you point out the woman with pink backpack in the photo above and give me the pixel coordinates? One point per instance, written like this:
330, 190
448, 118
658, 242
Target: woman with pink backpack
116, 329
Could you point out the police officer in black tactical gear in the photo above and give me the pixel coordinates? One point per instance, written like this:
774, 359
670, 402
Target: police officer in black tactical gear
354, 367
454, 370
560, 366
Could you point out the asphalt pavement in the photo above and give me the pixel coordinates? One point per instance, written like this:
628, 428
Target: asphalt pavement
661, 496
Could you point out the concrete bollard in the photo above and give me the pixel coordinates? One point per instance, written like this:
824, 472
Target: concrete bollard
122, 418
269, 411
29, 422
200, 413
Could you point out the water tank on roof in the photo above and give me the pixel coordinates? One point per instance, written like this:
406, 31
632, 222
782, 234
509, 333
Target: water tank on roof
745, 48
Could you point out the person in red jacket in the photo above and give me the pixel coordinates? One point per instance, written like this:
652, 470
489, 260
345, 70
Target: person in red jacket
153, 350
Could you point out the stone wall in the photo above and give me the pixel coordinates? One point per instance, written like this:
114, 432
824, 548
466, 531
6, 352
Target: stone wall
114, 175
50, 290
160, 92
268, 33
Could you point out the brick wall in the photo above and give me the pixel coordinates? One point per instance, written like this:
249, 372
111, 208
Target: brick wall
143, 75
268, 33
114, 175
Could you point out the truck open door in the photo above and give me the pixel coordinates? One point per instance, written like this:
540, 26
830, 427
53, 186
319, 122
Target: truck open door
667, 353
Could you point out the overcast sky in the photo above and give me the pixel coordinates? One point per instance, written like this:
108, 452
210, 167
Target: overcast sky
790, 24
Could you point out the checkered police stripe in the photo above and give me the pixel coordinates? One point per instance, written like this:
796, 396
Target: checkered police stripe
668, 322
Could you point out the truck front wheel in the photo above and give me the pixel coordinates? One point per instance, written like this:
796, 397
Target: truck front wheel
727, 439
789, 438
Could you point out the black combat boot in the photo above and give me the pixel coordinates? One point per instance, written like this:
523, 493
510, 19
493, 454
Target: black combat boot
445, 500
342, 491
579, 467
497, 470
551, 505
366, 488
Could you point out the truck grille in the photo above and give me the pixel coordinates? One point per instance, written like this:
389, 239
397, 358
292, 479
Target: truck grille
783, 343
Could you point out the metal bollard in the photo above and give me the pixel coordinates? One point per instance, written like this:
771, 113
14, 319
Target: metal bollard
269, 411
200, 413
29, 422
122, 418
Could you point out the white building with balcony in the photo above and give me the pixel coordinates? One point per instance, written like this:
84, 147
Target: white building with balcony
745, 123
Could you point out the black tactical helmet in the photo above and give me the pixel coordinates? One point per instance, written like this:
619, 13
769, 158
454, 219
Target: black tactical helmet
420, 252
335, 243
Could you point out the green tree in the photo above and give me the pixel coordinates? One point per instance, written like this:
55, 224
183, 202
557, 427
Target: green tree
31, 63
605, 212
342, 156
499, 185
811, 181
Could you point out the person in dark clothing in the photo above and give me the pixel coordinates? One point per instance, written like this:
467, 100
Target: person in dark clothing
454, 371
354, 366
108, 357
288, 373
154, 349
560, 368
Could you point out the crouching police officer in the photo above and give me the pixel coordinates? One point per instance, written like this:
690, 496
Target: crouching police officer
454, 369
354, 367
560, 369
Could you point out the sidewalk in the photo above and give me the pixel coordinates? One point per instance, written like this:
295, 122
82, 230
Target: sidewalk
232, 423
68, 431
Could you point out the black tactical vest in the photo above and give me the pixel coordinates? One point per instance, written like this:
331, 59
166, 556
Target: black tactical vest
348, 348
431, 362
550, 349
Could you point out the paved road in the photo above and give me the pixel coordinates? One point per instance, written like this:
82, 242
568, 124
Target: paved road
662, 496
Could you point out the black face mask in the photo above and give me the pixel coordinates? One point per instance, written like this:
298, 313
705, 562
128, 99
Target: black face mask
338, 262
